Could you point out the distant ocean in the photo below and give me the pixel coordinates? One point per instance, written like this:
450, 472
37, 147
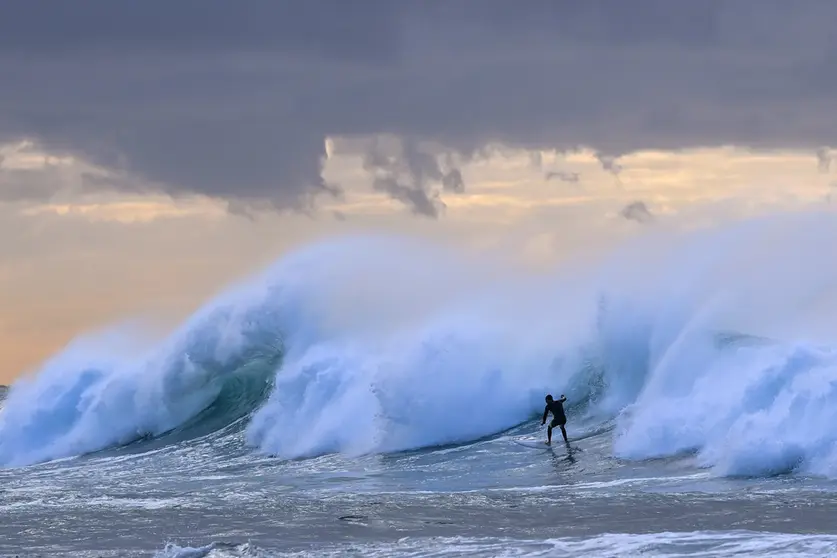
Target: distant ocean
364, 396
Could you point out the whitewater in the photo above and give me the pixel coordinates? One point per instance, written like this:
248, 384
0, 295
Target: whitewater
363, 396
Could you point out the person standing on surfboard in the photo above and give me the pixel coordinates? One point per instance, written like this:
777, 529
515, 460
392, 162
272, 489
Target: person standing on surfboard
558, 417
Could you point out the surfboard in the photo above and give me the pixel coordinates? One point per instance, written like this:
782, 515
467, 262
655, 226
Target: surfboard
540, 443
532, 443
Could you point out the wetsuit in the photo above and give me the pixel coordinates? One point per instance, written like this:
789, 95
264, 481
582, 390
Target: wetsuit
558, 418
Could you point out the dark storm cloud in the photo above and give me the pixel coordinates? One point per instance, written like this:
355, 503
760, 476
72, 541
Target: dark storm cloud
234, 100
208, 27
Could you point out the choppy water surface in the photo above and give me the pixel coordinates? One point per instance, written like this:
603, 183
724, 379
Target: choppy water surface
494, 497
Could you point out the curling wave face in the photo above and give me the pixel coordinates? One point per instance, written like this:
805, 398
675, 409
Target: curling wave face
104, 390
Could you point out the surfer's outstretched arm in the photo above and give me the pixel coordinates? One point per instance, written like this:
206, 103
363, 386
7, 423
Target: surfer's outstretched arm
545, 414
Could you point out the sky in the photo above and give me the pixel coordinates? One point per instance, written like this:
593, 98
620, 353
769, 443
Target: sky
148, 160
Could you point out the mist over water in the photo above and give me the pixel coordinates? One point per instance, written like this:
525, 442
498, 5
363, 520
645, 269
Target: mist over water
716, 342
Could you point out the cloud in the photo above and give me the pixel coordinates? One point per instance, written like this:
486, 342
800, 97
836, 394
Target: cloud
609, 164
143, 211
417, 199
564, 176
637, 211
453, 181
41, 184
237, 103
824, 159
407, 173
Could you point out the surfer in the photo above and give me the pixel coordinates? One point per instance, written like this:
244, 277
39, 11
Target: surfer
558, 417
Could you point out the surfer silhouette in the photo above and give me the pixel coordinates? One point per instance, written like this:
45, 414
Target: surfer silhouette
558, 417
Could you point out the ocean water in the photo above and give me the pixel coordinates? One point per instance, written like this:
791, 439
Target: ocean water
364, 397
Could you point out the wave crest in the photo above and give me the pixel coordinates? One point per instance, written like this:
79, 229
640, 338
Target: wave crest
374, 345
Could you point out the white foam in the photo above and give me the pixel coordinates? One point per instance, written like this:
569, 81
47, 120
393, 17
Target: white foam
662, 545
213, 550
754, 408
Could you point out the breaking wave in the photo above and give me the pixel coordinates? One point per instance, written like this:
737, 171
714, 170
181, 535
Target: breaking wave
713, 342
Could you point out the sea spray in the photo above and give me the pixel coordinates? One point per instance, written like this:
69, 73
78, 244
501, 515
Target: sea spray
475, 358
747, 409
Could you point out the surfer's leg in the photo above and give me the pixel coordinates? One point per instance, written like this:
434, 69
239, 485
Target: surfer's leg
553, 423
564, 432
